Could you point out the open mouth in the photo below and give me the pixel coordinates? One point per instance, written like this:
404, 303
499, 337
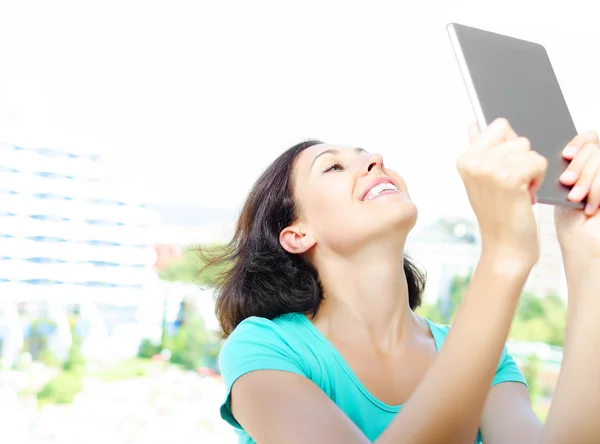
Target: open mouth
380, 190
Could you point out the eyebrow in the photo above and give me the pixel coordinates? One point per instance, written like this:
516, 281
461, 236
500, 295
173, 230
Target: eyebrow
335, 151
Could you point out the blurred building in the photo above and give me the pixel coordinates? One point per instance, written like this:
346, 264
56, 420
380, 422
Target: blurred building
182, 225
63, 231
445, 249
451, 247
67, 236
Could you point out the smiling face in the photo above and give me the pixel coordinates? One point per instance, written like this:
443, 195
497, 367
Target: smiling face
346, 198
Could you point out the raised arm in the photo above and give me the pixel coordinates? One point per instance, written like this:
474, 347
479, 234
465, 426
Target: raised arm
500, 173
575, 412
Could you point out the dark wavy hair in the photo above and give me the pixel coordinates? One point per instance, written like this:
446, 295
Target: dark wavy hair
259, 277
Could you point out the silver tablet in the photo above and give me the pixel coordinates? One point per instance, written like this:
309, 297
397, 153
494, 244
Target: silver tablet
512, 78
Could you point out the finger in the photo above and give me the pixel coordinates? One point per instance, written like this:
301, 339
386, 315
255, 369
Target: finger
593, 198
584, 183
498, 131
526, 170
473, 132
573, 172
578, 143
538, 165
511, 151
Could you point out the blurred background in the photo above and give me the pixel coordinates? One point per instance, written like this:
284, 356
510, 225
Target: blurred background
130, 133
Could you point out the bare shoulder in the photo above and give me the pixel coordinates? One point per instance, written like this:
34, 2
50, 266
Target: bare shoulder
267, 372
268, 404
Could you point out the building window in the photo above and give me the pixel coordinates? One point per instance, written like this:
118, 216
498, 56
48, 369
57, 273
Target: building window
42, 282
45, 260
100, 263
47, 239
101, 243
50, 175
5, 169
99, 201
104, 223
94, 284
54, 153
48, 218
50, 196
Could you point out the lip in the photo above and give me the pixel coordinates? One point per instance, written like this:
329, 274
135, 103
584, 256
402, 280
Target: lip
374, 183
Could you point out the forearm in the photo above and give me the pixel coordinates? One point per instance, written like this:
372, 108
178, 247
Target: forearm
575, 412
447, 405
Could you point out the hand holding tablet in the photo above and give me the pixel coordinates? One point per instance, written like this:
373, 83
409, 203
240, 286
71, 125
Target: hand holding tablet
513, 79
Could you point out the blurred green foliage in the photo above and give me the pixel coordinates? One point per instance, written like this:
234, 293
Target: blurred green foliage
127, 368
187, 268
148, 349
191, 346
536, 319
61, 389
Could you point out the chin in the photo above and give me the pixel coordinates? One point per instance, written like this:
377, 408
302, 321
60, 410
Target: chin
399, 218
388, 223
392, 223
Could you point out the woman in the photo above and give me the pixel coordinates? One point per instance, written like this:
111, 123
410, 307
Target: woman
318, 304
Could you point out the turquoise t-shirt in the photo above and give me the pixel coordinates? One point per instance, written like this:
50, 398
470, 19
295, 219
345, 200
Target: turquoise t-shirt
292, 343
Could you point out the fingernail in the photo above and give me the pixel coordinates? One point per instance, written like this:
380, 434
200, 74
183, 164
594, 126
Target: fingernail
568, 176
570, 151
577, 193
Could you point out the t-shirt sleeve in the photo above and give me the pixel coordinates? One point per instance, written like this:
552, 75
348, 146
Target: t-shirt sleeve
507, 370
255, 344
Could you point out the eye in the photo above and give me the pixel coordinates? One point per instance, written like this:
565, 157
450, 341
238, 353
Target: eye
335, 167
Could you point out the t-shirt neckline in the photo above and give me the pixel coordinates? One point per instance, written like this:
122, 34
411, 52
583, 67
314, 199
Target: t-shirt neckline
346, 367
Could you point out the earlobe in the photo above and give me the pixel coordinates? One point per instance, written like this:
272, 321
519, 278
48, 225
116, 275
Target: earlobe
295, 241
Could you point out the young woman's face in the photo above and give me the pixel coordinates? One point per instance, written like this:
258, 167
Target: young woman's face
347, 198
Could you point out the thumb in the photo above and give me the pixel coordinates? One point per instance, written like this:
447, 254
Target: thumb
473, 132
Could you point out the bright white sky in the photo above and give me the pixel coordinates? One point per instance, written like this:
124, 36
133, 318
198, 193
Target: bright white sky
191, 99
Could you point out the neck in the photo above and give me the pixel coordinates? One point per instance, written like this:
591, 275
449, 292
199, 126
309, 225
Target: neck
366, 295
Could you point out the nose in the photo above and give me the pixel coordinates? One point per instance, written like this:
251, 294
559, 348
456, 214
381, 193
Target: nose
374, 161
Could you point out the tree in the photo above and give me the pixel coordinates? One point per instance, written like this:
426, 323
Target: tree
444, 310
536, 319
540, 320
63, 388
531, 370
187, 269
190, 345
75, 362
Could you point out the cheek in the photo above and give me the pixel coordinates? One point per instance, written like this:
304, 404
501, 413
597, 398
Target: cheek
327, 209
400, 181
330, 199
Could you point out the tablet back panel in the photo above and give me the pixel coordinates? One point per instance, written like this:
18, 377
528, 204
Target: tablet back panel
512, 78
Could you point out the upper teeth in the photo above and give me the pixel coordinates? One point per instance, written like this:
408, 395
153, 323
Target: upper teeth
378, 189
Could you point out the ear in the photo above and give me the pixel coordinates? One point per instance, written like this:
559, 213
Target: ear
296, 239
